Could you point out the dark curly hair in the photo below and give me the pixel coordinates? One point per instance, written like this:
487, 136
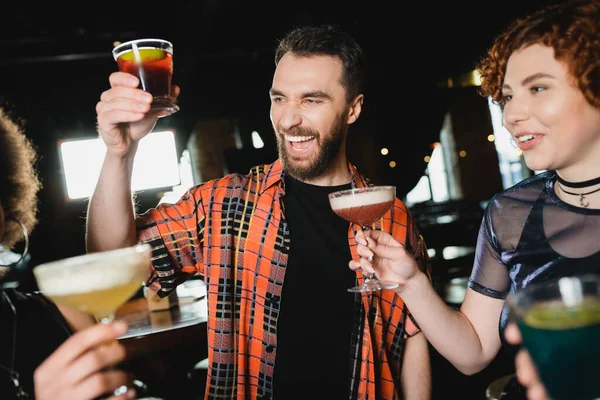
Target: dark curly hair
328, 40
19, 182
571, 28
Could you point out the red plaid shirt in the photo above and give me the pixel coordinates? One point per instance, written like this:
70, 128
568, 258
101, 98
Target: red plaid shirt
232, 232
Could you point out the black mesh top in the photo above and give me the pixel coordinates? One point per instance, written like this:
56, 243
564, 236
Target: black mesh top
528, 234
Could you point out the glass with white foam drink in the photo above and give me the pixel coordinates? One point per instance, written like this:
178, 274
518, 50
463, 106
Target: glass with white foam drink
364, 206
96, 283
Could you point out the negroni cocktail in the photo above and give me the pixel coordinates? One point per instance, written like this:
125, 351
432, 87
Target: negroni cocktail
151, 60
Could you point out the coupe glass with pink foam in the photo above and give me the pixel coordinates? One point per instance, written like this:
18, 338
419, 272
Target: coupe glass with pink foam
364, 206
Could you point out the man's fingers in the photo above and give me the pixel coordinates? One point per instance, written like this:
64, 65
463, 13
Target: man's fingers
175, 91
114, 118
123, 79
126, 93
122, 104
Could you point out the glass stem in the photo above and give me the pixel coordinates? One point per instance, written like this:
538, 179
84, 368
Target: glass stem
370, 276
105, 319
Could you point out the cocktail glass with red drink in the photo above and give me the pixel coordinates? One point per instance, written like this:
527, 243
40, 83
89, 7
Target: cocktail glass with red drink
364, 206
151, 60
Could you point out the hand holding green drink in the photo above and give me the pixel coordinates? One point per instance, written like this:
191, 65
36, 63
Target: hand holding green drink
559, 321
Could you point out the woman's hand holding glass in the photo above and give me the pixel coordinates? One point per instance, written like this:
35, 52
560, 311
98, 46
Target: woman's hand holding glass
390, 260
526, 373
80, 367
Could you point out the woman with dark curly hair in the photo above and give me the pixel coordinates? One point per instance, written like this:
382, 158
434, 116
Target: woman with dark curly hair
47, 351
544, 71
19, 183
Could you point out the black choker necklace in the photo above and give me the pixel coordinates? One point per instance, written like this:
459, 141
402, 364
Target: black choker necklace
582, 199
583, 184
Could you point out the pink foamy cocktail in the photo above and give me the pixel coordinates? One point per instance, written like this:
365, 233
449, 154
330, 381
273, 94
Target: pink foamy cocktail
363, 206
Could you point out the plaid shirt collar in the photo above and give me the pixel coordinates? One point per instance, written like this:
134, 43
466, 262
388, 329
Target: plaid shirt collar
275, 174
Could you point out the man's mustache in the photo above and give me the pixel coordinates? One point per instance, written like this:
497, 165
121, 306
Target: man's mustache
297, 131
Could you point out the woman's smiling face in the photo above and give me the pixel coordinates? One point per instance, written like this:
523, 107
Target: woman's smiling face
547, 114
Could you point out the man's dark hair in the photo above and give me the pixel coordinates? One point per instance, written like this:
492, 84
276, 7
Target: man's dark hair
328, 40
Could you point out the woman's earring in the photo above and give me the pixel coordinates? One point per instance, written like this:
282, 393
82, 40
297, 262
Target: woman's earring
25, 250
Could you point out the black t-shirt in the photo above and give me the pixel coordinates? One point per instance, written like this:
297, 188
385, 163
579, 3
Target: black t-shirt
316, 317
40, 329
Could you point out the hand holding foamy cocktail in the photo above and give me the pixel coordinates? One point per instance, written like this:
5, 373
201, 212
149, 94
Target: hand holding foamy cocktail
151, 61
364, 206
96, 283
559, 321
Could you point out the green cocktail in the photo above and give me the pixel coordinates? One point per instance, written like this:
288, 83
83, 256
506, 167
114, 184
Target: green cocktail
560, 325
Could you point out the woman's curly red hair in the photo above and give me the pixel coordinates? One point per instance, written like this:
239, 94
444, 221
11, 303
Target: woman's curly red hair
571, 28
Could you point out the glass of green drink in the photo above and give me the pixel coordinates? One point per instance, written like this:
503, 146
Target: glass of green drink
559, 322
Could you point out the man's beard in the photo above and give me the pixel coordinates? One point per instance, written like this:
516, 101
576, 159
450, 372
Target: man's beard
329, 148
